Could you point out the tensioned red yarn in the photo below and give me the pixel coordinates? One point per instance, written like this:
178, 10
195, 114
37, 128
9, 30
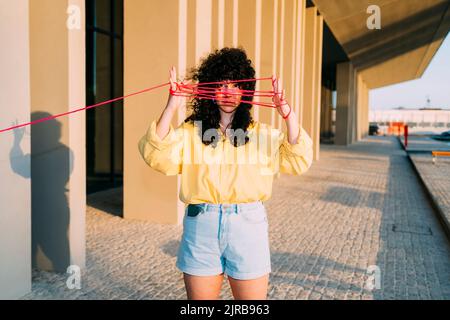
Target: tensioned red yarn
189, 90
183, 90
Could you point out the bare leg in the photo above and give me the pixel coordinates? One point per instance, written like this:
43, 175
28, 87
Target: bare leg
255, 289
203, 288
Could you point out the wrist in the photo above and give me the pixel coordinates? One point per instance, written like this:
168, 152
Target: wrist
171, 106
285, 116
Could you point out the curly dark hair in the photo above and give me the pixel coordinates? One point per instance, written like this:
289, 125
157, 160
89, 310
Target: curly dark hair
225, 64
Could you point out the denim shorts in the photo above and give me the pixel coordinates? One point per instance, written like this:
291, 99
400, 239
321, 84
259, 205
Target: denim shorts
225, 238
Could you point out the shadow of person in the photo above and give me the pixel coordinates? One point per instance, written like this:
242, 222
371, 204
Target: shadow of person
51, 166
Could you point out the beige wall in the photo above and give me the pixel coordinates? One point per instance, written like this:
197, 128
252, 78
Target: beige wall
359, 106
352, 121
318, 46
326, 112
249, 34
268, 53
77, 139
345, 105
152, 45
363, 120
312, 80
300, 58
57, 57
352, 113
47, 77
15, 202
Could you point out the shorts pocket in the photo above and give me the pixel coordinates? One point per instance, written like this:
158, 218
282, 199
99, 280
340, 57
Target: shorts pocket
193, 210
254, 216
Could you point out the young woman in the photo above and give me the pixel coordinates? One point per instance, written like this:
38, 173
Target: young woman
225, 227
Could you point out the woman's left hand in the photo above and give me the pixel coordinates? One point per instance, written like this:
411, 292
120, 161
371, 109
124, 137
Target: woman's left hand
279, 98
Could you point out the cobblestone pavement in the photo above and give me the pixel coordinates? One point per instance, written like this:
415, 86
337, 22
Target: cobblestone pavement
357, 207
437, 180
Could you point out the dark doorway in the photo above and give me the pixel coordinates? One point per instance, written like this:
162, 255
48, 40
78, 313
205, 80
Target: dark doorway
104, 81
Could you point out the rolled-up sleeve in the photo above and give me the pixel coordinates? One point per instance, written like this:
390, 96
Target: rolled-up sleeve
297, 158
164, 155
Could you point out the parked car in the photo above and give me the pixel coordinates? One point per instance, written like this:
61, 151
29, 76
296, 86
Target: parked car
444, 136
374, 129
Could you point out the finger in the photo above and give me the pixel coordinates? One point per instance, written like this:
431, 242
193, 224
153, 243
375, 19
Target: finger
273, 82
170, 77
279, 92
280, 85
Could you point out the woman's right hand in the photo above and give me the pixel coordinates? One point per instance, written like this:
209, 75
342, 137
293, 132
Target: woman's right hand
175, 100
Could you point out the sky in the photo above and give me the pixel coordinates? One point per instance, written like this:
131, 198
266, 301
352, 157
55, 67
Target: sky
434, 83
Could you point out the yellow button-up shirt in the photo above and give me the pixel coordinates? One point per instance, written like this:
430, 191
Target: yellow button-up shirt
225, 174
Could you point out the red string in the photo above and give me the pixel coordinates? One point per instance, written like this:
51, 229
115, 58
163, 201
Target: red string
85, 108
183, 90
209, 93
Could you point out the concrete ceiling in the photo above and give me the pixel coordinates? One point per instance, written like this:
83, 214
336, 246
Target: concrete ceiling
411, 33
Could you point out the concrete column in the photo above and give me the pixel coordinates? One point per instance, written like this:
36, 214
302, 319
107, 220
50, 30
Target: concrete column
287, 52
231, 23
345, 109
362, 108
299, 58
280, 17
249, 37
218, 24
365, 117
203, 30
269, 52
312, 77
326, 113
15, 185
308, 80
148, 194
57, 44
318, 44
267, 56
282, 46
359, 106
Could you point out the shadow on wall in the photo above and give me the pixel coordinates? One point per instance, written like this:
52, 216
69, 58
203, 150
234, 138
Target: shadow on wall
51, 166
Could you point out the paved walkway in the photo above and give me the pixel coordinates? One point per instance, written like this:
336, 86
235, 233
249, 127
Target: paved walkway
437, 180
357, 207
436, 177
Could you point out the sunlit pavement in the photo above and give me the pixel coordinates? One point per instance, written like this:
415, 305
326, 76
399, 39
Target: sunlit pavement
436, 177
434, 174
359, 213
